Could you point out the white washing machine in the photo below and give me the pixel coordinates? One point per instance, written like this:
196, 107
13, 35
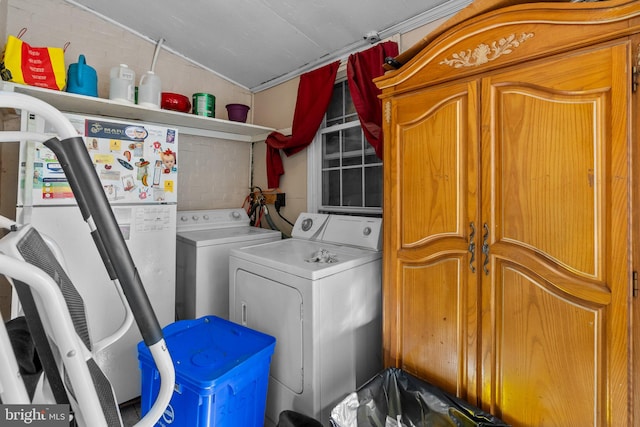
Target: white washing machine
319, 293
203, 241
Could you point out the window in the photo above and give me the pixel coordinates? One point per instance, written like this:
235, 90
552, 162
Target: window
345, 175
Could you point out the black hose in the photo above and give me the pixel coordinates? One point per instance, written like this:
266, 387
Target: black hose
284, 219
270, 220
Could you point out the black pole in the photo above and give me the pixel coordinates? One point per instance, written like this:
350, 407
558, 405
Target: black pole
93, 203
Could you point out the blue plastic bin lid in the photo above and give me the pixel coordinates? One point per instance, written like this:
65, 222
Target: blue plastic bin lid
205, 349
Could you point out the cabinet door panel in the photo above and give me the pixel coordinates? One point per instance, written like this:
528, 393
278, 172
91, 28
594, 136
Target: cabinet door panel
431, 342
432, 170
555, 185
551, 175
548, 353
434, 167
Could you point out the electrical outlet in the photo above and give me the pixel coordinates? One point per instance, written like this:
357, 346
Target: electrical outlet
270, 198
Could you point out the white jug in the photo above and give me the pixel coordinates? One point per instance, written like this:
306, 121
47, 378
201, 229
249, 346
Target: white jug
122, 84
149, 90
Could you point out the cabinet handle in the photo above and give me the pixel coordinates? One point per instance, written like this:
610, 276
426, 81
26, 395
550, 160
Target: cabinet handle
485, 248
472, 246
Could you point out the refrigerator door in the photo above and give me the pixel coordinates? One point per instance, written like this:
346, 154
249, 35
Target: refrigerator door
149, 231
136, 162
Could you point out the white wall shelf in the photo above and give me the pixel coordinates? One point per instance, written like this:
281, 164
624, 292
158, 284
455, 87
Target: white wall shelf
190, 124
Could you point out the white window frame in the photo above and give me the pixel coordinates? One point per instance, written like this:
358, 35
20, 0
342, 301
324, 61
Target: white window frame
314, 172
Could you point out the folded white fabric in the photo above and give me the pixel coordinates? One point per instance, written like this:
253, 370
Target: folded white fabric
322, 256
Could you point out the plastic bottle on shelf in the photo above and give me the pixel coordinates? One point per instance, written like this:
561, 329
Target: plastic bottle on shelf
122, 84
149, 90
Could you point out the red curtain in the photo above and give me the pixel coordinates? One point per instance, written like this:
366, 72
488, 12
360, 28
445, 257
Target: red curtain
362, 68
314, 93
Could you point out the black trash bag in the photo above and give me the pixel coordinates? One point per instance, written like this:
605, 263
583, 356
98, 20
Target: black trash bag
25, 352
394, 398
296, 419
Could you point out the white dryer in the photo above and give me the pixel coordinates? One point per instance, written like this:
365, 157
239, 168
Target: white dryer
319, 294
203, 241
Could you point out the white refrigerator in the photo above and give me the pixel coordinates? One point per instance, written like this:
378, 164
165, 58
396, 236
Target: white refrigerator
137, 166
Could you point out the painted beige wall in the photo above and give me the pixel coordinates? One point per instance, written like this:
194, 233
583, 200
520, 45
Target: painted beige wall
213, 173
216, 173
274, 107
410, 38
4, 5
56, 22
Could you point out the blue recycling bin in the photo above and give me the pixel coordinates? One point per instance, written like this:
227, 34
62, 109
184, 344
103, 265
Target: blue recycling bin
222, 373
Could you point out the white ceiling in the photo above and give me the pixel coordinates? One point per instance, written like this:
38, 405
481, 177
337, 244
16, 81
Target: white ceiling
260, 43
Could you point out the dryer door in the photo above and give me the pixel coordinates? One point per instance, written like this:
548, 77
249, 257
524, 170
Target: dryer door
275, 309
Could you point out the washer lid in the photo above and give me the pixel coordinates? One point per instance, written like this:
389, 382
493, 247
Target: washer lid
305, 258
220, 236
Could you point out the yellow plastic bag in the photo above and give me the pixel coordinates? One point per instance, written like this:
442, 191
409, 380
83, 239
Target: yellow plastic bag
33, 66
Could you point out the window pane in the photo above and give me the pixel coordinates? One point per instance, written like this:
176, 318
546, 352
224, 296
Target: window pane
335, 105
331, 150
370, 154
348, 102
346, 183
352, 187
352, 139
352, 146
331, 188
373, 185
351, 118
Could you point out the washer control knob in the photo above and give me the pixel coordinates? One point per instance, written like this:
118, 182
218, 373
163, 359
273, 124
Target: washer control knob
195, 217
205, 217
366, 231
184, 218
306, 225
235, 214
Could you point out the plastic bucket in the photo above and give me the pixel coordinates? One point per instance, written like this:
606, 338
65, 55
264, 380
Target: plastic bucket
237, 112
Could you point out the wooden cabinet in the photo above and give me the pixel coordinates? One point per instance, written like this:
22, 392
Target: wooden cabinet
510, 210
